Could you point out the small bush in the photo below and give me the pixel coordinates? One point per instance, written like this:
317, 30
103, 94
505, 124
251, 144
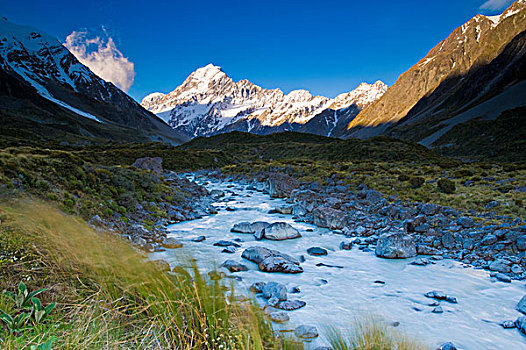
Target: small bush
416, 181
446, 186
403, 177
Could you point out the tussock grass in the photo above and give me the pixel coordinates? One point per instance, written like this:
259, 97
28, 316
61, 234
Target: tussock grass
370, 333
112, 298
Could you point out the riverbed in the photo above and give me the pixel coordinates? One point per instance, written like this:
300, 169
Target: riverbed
335, 297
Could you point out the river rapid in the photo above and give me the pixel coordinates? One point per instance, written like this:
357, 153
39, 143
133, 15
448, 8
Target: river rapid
335, 297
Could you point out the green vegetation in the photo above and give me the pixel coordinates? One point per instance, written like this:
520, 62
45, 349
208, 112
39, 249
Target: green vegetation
370, 333
109, 296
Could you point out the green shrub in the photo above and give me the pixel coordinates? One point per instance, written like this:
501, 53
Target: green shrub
446, 186
416, 181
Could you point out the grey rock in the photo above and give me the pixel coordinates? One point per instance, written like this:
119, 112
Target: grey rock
279, 264
279, 231
430, 209
281, 185
500, 265
242, 227
517, 269
439, 295
521, 243
438, 310
258, 254
279, 316
521, 324
273, 301
503, 277
346, 245
373, 197
147, 163
394, 245
466, 222
283, 210
488, 240
508, 324
329, 218
317, 251
448, 240
257, 287
198, 239
171, 243
447, 346
276, 290
229, 250
306, 332
234, 266
420, 262
223, 243
290, 305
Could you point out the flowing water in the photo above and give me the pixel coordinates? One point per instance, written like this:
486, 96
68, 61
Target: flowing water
335, 297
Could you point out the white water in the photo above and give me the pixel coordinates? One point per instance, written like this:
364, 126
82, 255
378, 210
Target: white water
473, 323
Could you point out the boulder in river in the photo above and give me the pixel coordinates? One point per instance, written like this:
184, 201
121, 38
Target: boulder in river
447, 346
274, 289
317, 251
242, 227
395, 245
258, 254
286, 210
280, 185
290, 305
280, 231
439, 295
257, 287
223, 243
329, 218
279, 316
234, 266
198, 239
279, 264
171, 243
306, 332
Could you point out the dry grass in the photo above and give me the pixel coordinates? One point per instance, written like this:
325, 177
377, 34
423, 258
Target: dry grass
118, 300
370, 333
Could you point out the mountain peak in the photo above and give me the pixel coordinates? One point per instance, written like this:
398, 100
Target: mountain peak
207, 73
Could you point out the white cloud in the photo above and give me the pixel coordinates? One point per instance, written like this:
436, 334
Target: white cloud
495, 4
102, 57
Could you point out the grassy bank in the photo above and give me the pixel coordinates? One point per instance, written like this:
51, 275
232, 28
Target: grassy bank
108, 296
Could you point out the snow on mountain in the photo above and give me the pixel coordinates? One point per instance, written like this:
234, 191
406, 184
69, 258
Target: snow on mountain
42, 67
209, 102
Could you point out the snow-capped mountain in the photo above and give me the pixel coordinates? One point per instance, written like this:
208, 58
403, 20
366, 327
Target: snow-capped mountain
35, 65
208, 102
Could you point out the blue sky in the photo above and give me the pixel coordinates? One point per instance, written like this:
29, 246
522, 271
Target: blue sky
325, 46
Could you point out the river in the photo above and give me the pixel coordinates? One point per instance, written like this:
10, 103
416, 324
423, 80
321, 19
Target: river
335, 297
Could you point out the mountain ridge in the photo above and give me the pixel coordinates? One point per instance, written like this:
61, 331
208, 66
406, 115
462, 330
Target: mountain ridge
209, 102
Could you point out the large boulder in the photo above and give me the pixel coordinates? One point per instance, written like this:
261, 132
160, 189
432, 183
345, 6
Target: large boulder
306, 332
242, 227
171, 243
395, 245
258, 254
234, 266
291, 305
279, 264
281, 185
280, 231
329, 218
147, 163
275, 290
